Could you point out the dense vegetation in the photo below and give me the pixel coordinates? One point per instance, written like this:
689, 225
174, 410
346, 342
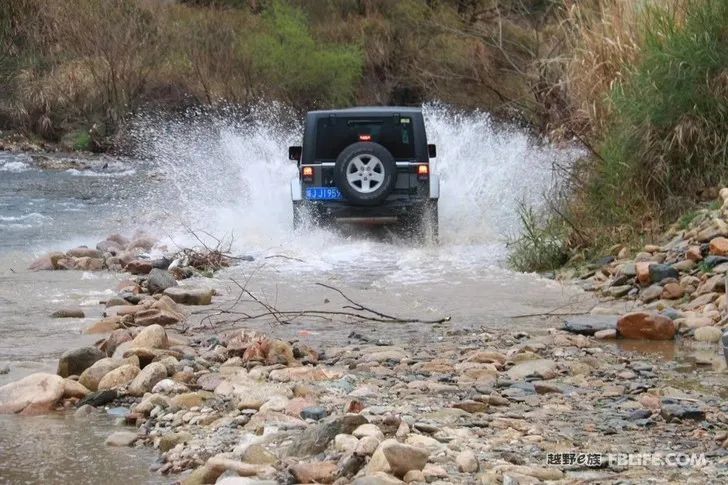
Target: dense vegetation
643, 84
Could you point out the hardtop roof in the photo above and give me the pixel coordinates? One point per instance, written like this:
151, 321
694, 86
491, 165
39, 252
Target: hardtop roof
369, 110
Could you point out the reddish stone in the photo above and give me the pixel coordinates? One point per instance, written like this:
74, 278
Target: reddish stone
139, 266
672, 291
719, 246
643, 273
694, 254
643, 325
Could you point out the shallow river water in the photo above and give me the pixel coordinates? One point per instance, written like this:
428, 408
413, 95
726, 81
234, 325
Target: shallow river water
231, 181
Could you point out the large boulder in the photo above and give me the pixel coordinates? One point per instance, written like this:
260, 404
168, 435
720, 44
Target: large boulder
159, 280
35, 394
151, 337
147, 378
189, 296
91, 377
74, 362
644, 325
119, 377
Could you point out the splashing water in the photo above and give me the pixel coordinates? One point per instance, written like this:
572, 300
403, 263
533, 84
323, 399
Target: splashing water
232, 177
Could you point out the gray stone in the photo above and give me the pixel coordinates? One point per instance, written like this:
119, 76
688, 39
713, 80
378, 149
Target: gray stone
590, 324
315, 413
316, 438
159, 280
121, 438
68, 313
74, 362
659, 272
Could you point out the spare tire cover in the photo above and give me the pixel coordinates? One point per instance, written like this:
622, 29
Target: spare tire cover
365, 173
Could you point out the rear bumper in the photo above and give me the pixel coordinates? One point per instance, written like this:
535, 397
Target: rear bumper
387, 213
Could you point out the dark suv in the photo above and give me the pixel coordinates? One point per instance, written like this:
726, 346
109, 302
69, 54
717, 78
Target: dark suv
366, 165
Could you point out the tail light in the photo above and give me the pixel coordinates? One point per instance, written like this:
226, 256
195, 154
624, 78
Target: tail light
423, 171
307, 174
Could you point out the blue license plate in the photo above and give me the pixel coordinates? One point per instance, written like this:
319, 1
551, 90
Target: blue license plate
323, 193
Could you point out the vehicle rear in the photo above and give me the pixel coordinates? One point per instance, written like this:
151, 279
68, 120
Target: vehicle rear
365, 166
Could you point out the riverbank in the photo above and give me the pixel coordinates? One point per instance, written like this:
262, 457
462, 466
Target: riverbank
220, 394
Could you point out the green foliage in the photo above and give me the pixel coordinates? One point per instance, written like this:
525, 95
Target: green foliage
541, 247
82, 140
308, 72
668, 136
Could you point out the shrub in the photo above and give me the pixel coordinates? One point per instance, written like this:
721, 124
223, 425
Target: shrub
541, 246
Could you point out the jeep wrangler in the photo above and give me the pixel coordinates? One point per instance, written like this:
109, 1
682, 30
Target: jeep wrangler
368, 166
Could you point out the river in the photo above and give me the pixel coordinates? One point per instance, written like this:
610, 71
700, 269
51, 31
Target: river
230, 180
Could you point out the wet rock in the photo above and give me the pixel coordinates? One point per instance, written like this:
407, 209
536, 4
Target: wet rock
74, 362
707, 334
643, 325
159, 280
138, 267
91, 377
44, 263
467, 462
316, 438
83, 411
35, 394
189, 296
88, 264
111, 247
68, 313
606, 334
119, 377
121, 438
98, 398
397, 459
590, 324
151, 337
84, 252
104, 325
316, 472
147, 378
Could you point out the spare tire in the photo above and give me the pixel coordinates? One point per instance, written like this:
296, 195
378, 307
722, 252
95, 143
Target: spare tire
365, 173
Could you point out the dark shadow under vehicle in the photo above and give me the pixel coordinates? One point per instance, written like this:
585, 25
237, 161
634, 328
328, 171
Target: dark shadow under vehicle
366, 166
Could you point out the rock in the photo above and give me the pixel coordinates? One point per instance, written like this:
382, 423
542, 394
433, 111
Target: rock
607, 334
642, 270
223, 462
467, 462
719, 246
316, 438
651, 293
105, 325
145, 243
188, 400
315, 413
394, 354
366, 446
68, 313
643, 325
111, 247
121, 438
619, 291
74, 389
83, 411
138, 267
151, 337
659, 272
542, 473
258, 455
671, 409
88, 264
119, 377
471, 406
98, 398
414, 476
74, 362
590, 324
35, 394
170, 440
159, 280
379, 478
44, 263
543, 368
316, 472
91, 377
694, 253
345, 443
189, 296
397, 459
368, 429
147, 378
168, 386
672, 291
708, 334
84, 252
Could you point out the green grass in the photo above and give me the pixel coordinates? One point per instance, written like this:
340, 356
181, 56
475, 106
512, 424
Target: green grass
82, 140
540, 247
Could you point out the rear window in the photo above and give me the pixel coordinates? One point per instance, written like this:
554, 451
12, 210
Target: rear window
395, 133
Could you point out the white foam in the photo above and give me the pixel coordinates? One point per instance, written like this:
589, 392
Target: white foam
15, 167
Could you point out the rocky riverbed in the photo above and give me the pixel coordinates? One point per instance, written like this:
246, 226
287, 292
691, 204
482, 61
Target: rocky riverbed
228, 398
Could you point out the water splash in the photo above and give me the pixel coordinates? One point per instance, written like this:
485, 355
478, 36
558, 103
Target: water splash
230, 174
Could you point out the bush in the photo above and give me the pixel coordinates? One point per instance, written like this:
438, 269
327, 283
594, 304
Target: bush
541, 246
